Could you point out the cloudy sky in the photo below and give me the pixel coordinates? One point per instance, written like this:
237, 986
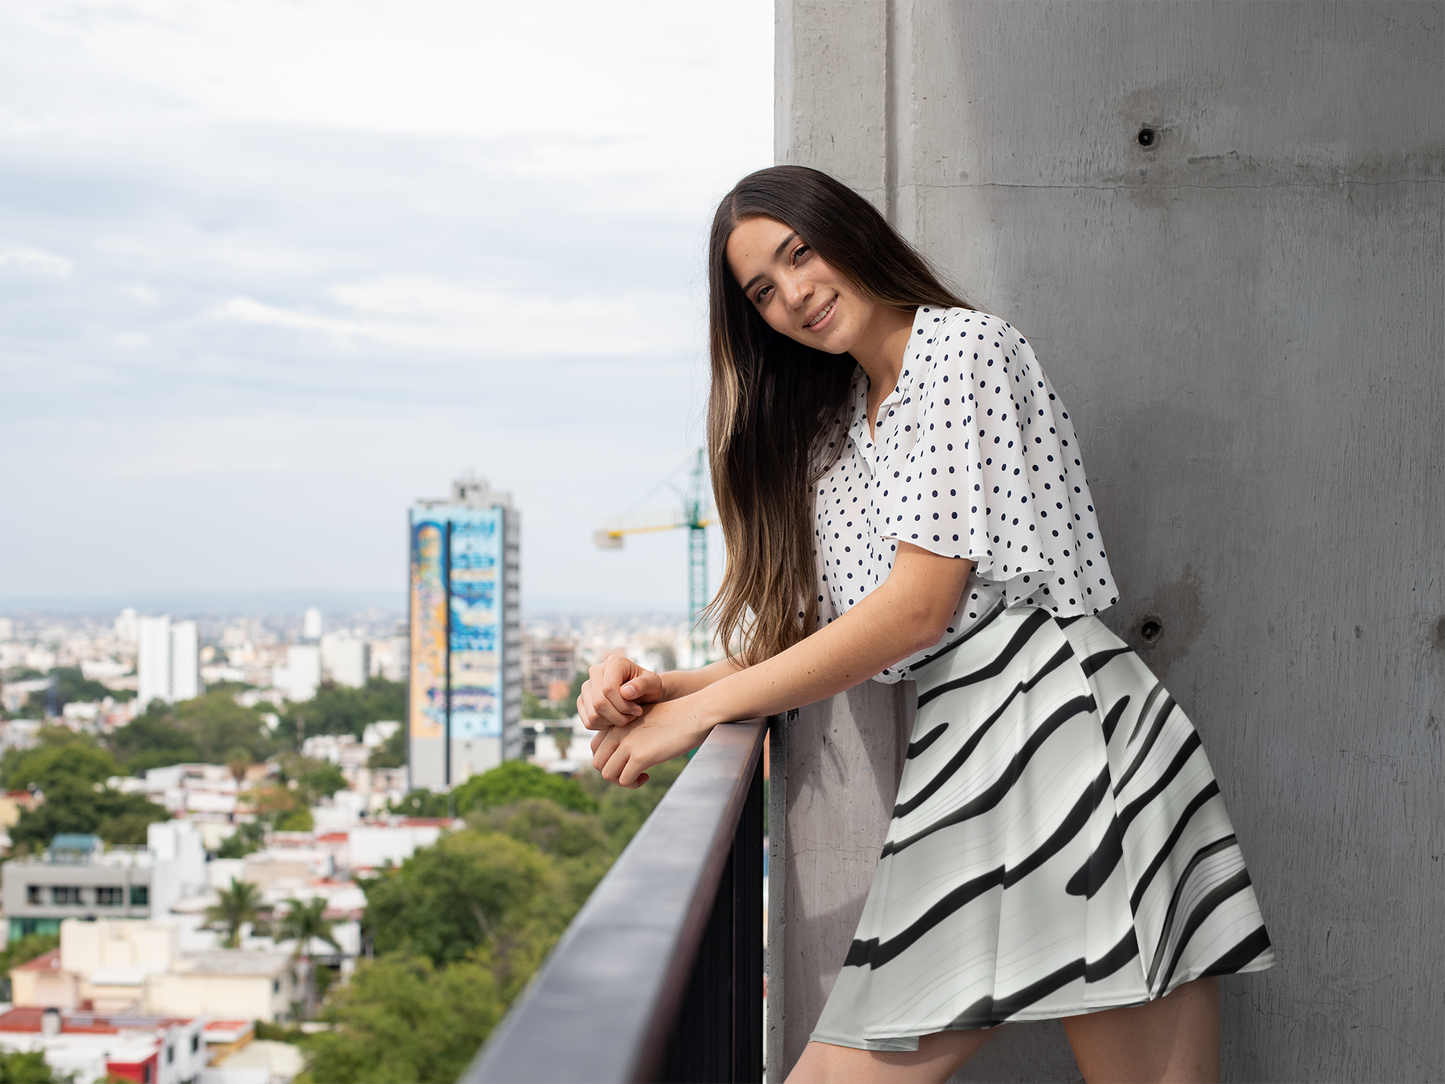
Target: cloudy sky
271, 270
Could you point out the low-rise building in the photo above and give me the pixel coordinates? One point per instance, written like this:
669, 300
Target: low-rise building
79, 877
120, 966
92, 1046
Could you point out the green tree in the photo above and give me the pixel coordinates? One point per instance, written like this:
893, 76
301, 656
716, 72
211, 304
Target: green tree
210, 729
248, 838
303, 922
422, 803
516, 779
76, 806
392, 753
314, 778
234, 907
26, 948
218, 725
576, 843
471, 889
62, 756
534, 708
622, 811
29, 1067
152, 740
340, 709
402, 1020
71, 687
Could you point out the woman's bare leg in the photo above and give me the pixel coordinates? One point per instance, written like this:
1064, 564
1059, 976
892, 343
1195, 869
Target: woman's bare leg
1174, 1039
937, 1058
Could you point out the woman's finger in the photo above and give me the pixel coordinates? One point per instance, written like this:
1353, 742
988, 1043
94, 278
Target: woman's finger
600, 712
618, 670
603, 750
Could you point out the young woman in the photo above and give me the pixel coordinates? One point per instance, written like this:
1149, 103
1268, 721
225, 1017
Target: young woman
902, 496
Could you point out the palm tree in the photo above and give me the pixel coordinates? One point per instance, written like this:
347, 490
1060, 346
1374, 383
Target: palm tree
234, 907
305, 922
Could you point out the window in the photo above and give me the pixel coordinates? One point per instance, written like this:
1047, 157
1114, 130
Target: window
195, 1044
140, 895
276, 986
109, 896
170, 1054
65, 895
145, 1073
32, 895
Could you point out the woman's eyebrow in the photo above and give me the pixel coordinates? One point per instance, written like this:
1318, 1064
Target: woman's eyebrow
777, 255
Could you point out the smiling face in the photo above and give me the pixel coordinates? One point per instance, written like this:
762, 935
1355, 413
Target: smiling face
795, 291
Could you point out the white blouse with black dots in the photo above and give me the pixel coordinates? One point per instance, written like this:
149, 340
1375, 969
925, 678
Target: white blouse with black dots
974, 457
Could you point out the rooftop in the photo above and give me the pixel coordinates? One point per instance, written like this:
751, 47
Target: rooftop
46, 961
31, 1018
231, 962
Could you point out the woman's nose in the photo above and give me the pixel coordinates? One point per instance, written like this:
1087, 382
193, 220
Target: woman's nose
796, 291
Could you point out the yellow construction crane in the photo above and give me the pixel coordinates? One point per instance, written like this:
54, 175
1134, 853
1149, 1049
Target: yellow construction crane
696, 515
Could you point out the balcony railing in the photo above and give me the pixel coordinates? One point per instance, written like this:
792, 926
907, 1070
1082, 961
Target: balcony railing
660, 975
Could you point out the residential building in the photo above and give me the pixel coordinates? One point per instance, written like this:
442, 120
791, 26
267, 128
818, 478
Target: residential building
168, 660
465, 709
548, 666
153, 659
311, 624
344, 660
94, 1046
120, 966
302, 672
185, 661
78, 877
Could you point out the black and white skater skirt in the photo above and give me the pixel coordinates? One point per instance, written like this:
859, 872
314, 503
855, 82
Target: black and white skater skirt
1059, 845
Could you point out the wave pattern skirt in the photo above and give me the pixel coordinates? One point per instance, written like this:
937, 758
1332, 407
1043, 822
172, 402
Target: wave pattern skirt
1059, 845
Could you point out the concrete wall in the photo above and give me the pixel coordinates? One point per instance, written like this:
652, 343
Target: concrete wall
1245, 319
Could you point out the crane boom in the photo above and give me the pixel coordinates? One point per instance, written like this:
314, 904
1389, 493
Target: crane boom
696, 517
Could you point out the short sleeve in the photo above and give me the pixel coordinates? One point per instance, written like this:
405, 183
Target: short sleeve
996, 474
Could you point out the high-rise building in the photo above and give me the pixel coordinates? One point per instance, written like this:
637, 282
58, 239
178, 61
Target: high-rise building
311, 624
344, 660
465, 689
153, 660
185, 661
125, 626
303, 671
168, 660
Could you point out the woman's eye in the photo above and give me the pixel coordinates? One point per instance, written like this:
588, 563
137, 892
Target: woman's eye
761, 295
800, 252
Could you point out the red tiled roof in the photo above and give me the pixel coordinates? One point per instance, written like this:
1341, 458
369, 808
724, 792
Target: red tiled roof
30, 1017
46, 961
333, 837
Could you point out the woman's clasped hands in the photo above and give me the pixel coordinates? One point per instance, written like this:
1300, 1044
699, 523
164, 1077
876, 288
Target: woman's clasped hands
638, 724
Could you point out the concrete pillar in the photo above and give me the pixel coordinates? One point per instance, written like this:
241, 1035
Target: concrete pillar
1245, 318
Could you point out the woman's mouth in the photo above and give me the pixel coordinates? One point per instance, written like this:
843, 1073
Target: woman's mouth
823, 315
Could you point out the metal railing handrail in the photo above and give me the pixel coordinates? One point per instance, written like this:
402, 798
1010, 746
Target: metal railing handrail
605, 1003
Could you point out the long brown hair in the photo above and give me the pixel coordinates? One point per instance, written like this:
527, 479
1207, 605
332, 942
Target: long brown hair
778, 410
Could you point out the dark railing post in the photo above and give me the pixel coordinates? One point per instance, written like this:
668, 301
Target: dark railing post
719, 1034
660, 975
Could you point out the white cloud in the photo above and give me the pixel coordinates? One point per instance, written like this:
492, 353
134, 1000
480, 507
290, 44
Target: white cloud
33, 260
327, 251
438, 315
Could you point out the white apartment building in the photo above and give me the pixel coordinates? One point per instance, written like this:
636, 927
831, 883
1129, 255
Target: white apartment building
301, 675
311, 624
344, 660
168, 660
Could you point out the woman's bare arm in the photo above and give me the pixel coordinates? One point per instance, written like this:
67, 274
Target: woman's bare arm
906, 614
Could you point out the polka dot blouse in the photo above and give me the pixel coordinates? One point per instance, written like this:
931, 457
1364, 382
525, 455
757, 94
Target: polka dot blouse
974, 456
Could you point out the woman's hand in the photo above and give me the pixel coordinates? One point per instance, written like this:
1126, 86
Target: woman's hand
615, 691
666, 730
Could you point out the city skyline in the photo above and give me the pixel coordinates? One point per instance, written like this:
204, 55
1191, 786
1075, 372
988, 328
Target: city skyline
251, 316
